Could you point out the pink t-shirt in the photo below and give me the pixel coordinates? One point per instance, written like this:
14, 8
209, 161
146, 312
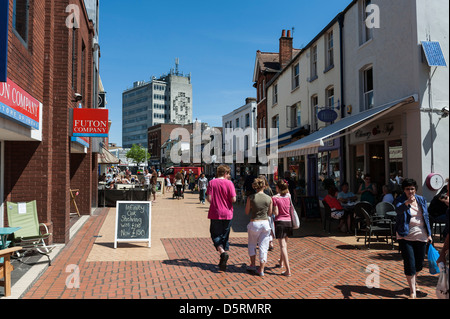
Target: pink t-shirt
284, 207
221, 192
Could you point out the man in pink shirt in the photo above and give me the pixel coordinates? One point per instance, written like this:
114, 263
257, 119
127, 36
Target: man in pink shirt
221, 196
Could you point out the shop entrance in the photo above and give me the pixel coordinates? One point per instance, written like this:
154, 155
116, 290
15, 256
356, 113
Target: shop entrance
1, 185
377, 162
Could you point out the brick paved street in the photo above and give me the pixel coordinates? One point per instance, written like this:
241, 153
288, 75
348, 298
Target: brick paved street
182, 263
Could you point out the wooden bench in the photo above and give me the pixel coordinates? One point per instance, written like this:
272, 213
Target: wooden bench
6, 268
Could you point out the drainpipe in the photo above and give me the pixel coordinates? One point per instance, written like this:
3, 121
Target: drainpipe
341, 62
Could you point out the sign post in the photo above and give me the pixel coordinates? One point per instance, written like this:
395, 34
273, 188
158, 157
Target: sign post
133, 222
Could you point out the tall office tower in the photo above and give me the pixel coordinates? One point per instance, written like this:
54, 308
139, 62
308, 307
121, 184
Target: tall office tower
167, 99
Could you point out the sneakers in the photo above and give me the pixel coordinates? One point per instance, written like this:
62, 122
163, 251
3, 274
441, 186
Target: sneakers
223, 261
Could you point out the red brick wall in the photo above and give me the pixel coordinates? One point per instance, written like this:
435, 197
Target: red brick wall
46, 170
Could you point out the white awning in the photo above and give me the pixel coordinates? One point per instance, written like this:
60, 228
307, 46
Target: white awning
311, 143
105, 157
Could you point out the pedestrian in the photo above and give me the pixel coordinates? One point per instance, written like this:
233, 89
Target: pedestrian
202, 186
443, 257
221, 195
259, 208
179, 182
413, 231
153, 181
147, 177
192, 182
283, 222
168, 184
268, 191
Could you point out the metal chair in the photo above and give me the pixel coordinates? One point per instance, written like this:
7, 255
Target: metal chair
357, 218
371, 228
381, 209
328, 217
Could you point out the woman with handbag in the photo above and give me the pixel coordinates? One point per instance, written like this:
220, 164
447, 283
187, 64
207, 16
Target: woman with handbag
283, 222
259, 208
413, 231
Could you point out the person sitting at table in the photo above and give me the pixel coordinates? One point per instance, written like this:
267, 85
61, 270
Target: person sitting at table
345, 196
337, 211
387, 195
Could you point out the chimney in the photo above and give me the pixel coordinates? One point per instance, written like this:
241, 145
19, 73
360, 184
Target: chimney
285, 48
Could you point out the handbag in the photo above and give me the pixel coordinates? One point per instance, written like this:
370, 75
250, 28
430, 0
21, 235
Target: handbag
294, 216
433, 256
442, 285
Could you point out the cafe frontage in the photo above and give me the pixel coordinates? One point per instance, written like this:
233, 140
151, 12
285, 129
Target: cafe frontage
389, 140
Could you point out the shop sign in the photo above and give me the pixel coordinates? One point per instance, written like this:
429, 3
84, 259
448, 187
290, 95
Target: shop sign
375, 131
327, 115
90, 123
18, 105
4, 15
84, 141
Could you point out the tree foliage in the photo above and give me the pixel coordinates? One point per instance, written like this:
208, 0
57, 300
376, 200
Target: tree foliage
137, 154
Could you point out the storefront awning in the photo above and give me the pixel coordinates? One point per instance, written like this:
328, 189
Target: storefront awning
311, 143
105, 157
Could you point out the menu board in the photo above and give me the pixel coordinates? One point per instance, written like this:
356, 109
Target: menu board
133, 222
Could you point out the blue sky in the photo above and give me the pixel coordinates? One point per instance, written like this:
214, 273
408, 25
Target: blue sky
215, 41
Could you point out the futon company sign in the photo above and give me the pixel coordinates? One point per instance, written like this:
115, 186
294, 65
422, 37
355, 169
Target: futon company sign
90, 122
18, 105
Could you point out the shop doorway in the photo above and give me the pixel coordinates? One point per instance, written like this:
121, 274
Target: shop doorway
377, 162
1, 184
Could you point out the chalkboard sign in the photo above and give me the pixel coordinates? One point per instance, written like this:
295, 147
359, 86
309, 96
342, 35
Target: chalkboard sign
133, 222
311, 207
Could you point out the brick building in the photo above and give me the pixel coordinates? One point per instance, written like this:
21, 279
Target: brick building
49, 60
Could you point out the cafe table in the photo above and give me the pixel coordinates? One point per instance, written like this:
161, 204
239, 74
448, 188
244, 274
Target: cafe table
4, 233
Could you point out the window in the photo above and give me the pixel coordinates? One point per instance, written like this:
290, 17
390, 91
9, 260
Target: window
293, 116
295, 76
299, 114
314, 107
20, 18
247, 120
368, 98
264, 89
329, 51
313, 63
366, 33
275, 94
237, 123
330, 96
276, 122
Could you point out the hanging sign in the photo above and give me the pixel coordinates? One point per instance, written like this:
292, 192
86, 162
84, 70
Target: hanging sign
327, 115
90, 123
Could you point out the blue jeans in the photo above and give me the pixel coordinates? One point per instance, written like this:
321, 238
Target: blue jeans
202, 195
413, 253
220, 233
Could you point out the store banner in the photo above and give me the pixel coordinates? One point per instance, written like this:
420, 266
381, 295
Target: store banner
4, 14
90, 123
18, 105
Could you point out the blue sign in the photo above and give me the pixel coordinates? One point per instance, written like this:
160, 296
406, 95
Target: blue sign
327, 115
4, 19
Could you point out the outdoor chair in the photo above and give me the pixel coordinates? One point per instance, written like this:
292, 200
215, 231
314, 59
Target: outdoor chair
6, 268
327, 217
30, 237
380, 216
372, 229
358, 216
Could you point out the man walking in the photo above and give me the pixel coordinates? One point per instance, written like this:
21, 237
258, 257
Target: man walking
202, 186
221, 196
